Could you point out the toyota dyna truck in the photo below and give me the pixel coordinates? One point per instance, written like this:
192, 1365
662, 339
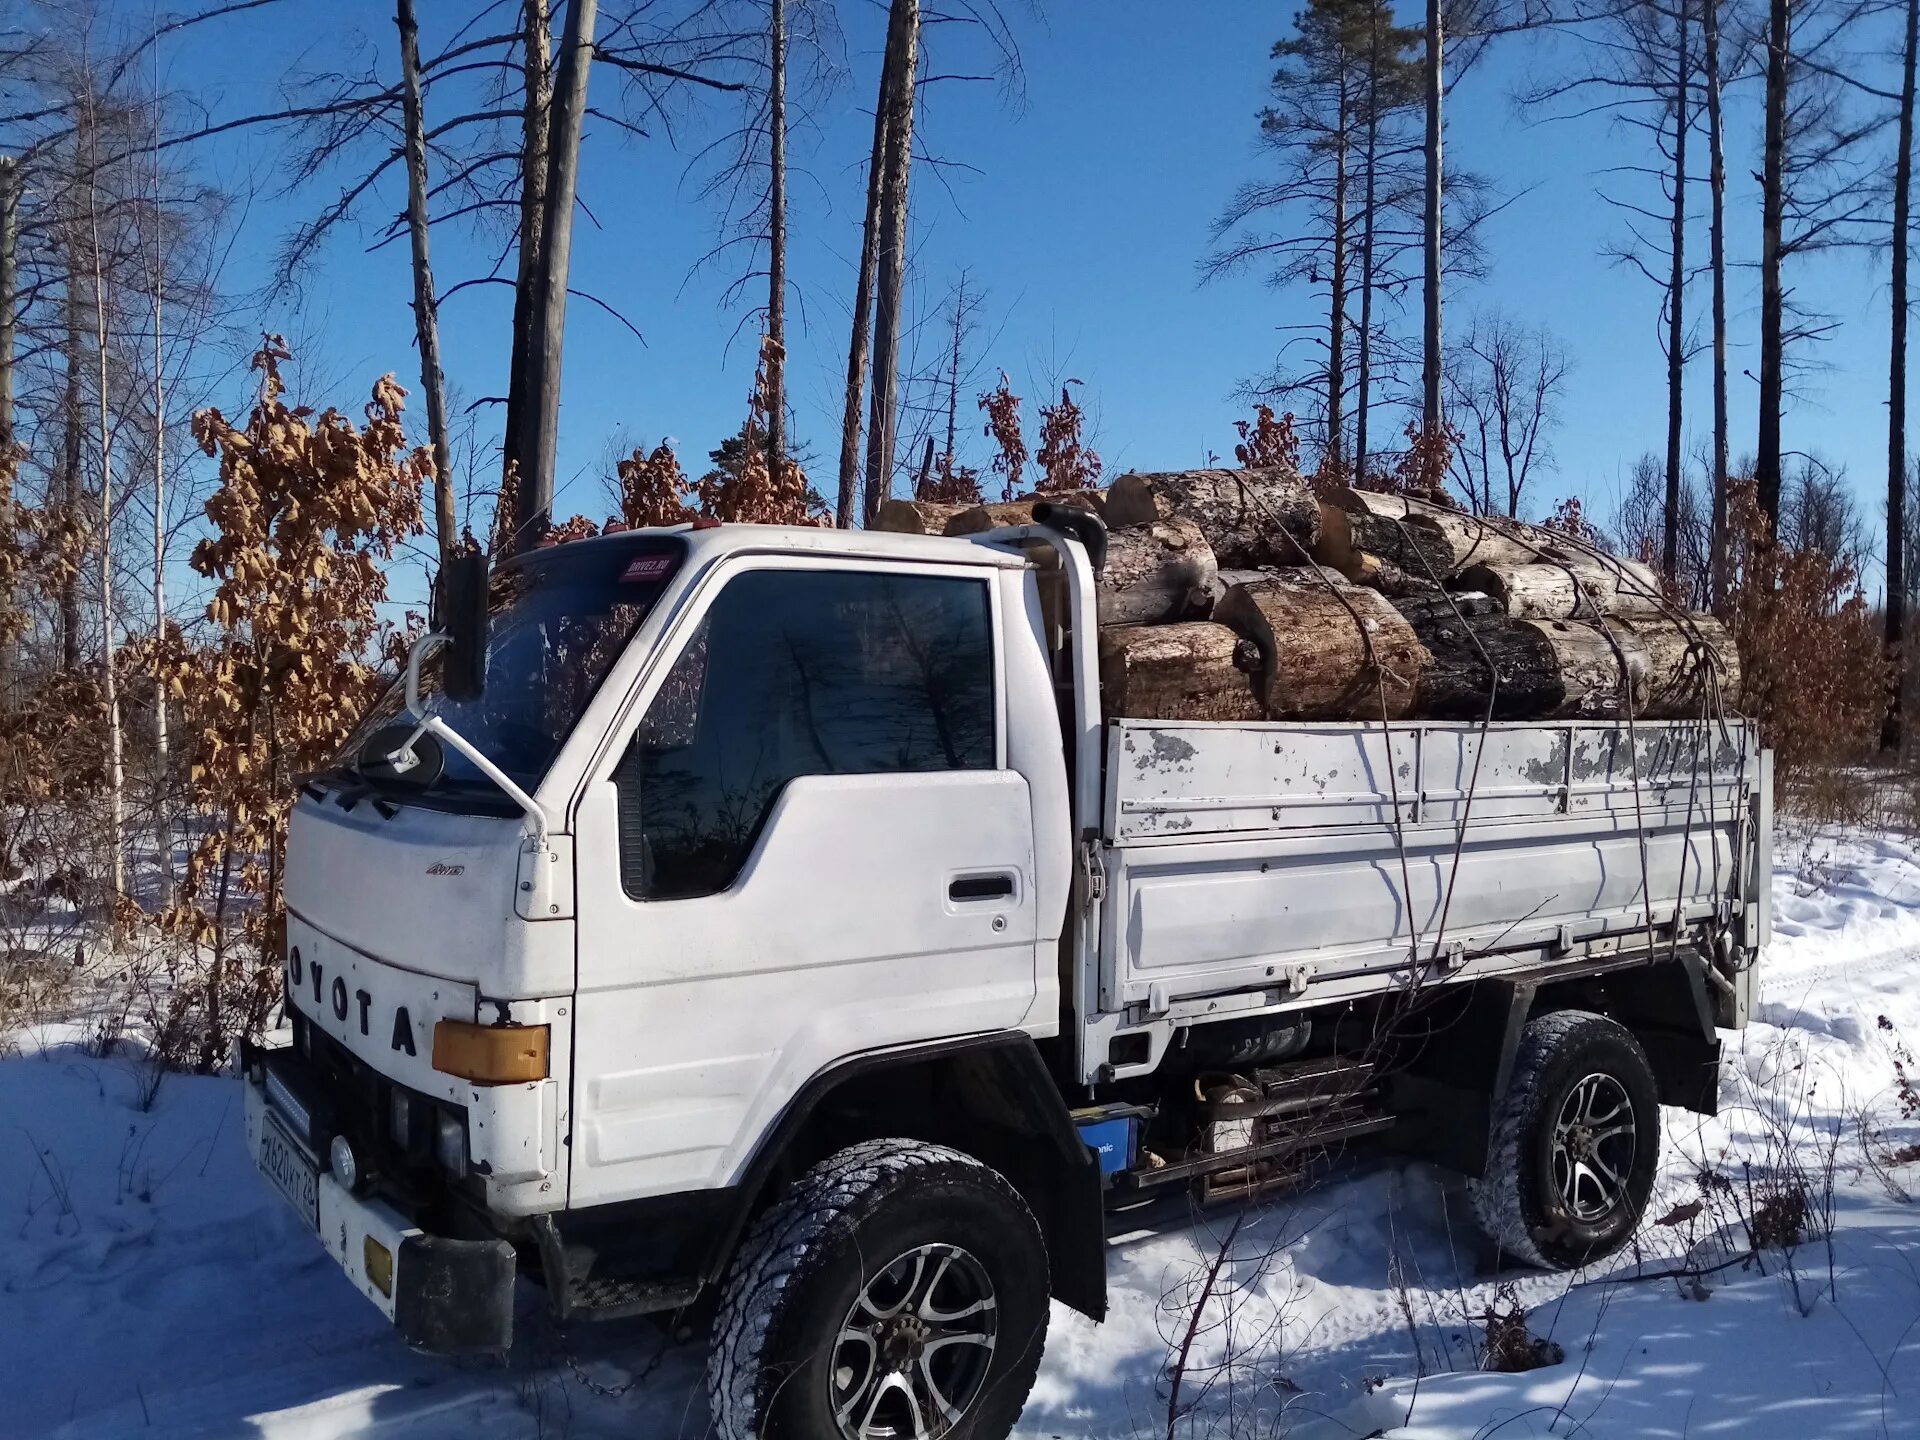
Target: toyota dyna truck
765, 928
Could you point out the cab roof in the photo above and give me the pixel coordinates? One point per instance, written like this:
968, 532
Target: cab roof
709, 542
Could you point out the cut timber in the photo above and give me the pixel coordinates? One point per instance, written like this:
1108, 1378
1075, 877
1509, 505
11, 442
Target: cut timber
1252, 517
1637, 590
1299, 574
914, 517
1327, 652
1589, 667
1470, 645
1549, 590
1196, 671
1681, 652
1094, 500
972, 519
1387, 577
1157, 572
1429, 542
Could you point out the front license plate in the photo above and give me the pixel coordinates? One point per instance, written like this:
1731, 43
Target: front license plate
292, 1174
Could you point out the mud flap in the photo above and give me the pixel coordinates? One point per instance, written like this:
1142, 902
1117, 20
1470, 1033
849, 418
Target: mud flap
455, 1297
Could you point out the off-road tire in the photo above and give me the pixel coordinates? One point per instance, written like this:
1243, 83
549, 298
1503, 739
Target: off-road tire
807, 1258
1517, 1202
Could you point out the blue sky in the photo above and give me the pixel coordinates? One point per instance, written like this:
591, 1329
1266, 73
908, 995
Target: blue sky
1082, 218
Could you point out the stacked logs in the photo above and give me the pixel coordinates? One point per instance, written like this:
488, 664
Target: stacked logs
1239, 595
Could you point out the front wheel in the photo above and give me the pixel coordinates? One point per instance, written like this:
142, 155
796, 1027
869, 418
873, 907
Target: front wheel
897, 1291
1576, 1140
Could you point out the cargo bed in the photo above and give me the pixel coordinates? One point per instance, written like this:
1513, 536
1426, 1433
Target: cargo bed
1262, 867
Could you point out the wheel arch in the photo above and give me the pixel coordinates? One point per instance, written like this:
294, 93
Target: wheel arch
1445, 1091
989, 1096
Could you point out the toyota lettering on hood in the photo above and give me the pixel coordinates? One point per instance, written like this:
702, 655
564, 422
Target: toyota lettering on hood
383, 1013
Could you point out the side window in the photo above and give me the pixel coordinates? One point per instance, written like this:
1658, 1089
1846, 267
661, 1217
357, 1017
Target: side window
799, 673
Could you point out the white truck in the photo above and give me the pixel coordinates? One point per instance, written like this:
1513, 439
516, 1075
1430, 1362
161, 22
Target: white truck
765, 925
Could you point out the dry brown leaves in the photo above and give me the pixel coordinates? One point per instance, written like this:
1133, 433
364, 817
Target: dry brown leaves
1003, 428
307, 511
1266, 442
1814, 671
1066, 463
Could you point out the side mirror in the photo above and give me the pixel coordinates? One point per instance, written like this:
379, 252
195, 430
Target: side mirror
461, 599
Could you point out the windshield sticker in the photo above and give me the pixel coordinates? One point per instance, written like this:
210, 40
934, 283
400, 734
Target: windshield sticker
646, 567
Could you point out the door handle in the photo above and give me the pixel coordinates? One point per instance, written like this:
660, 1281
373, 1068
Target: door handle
981, 887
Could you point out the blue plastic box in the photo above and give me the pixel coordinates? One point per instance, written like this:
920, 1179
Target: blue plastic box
1113, 1139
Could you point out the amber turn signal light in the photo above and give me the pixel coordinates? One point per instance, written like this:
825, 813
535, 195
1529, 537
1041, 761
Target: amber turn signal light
490, 1054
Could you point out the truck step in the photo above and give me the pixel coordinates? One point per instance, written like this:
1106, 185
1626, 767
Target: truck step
1330, 1127
614, 1297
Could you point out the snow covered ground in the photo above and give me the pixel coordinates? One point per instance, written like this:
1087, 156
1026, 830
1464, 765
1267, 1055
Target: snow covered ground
150, 1285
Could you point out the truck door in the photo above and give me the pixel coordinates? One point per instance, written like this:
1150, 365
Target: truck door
807, 845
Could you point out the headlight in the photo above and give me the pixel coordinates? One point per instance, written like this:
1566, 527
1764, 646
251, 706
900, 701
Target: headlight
450, 1143
341, 1159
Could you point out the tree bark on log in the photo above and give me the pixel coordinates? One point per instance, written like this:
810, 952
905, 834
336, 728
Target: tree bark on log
1637, 589
1194, 671
1251, 517
1094, 500
1472, 646
972, 519
1327, 652
1429, 542
918, 517
1590, 669
1681, 653
1560, 590
1158, 573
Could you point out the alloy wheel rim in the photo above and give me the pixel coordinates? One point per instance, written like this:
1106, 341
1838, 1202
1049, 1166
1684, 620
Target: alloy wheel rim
1594, 1144
912, 1355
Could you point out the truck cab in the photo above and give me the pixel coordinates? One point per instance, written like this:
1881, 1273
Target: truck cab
748, 947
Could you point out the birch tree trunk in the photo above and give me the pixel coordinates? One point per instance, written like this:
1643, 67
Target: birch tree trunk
109, 680
903, 41
9, 286
1772, 219
1676, 303
777, 240
536, 66
1891, 730
1430, 362
863, 314
162, 739
1717, 246
426, 309
540, 439
72, 441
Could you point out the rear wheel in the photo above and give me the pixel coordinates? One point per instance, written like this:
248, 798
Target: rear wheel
897, 1291
1575, 1143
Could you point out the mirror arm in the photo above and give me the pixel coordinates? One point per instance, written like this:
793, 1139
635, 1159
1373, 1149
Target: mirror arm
402, 757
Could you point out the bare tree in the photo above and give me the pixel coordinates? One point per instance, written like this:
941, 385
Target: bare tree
1717, 260
1891, 730
776, 366
9, 296
862, 315
1505, 382
1817, 192
426, 306
901, 69
540, 424
1642, 73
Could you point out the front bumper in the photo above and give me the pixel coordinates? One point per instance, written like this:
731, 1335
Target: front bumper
452, 1297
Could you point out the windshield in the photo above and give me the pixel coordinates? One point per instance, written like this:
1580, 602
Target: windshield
556, 623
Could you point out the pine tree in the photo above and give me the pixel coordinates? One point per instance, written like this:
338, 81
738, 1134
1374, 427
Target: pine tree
1343, 90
